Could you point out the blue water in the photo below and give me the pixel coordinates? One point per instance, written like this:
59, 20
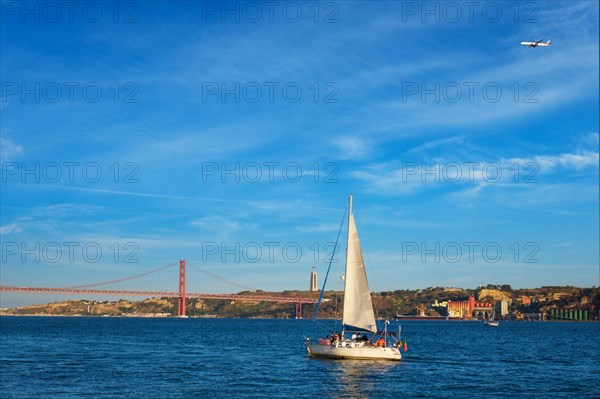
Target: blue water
43, 357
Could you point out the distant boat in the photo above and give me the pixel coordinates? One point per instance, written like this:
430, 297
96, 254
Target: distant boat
358, 316
492, 322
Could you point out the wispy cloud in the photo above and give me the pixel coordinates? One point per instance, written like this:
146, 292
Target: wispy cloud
564, 244
470, 179
548, 163
539, 195
221, 223
137, 194
352, 147
589, 140
11, 228
9, 150
319, 228
449, 141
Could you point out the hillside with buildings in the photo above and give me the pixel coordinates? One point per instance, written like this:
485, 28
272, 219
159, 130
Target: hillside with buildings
557, 302
546, 303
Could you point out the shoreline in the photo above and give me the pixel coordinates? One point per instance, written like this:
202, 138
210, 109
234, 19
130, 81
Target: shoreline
150, 316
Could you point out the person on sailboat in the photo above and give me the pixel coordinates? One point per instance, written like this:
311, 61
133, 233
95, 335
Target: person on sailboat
335, 338
326, 341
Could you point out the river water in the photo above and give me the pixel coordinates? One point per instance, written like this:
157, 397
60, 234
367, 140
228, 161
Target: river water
77, 357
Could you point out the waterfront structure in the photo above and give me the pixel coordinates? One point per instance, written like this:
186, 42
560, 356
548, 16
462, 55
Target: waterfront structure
570, 314
436, 304
530, 316
469, 308
314, 286
503, 308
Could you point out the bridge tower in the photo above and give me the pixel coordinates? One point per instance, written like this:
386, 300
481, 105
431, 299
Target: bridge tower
181, 299
298, 310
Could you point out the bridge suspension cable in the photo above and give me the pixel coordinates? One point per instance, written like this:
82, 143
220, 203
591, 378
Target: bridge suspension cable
222, 279
126, 278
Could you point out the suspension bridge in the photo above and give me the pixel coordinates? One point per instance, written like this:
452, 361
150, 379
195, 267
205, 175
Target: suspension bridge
181, 293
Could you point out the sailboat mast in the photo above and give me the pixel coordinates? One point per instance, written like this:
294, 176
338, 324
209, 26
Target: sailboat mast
347, 245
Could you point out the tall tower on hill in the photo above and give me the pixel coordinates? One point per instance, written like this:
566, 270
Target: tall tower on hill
314, 286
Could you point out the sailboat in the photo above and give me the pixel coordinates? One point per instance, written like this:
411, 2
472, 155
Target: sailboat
492, 322
358, 316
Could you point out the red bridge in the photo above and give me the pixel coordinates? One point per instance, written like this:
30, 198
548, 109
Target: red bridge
181, 294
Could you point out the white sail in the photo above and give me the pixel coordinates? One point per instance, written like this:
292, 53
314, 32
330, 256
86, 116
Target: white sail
358, 308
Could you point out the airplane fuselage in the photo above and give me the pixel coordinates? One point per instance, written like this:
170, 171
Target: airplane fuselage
536, 44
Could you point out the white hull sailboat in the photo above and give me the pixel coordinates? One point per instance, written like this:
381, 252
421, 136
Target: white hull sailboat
347, 352
358, 316
492, 322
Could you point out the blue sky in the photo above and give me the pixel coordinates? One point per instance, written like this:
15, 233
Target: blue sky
450, 134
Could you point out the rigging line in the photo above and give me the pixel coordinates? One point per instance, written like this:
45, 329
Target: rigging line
125, 278
321, 324
329, 267
221, 278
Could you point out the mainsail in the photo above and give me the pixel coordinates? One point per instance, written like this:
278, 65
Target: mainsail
358, 308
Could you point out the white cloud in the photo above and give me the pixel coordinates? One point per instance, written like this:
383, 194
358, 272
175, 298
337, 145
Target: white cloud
473, 177
564, 244
220, 223
381, 178
591, 139
548, 163
456, 140
9, 150
11, 228
350, 147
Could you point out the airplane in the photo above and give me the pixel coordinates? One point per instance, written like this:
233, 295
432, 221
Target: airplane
536, 44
